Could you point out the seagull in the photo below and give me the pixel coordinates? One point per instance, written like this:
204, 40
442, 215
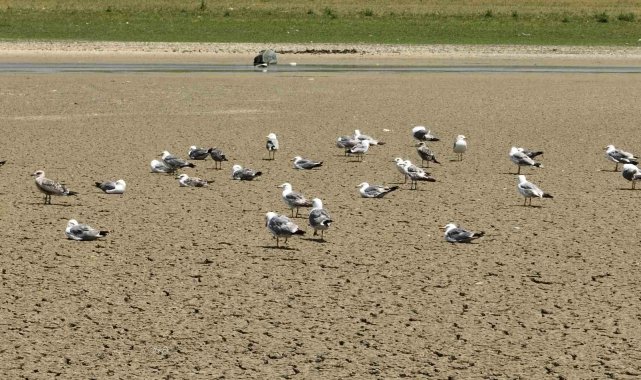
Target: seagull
530, 190
281, 226
520, 158
531, 153
454, 234
196, 153
218, 156
374, 191
319, 219
347, 143
159, 167
619, 156
426, 154
361, 137
304, 163
187, 181
49, 187
77, 231
292, 199
360, 149
416, 174
400, 166
460, 146
632, 173
420, 133
272, 145
173, 162
112, 187
237, 172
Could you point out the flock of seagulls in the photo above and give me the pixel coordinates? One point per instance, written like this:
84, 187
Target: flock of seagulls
357, 144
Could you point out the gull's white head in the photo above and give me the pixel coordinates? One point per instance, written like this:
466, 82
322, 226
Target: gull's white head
269, 217
71, 223
121, 182
513, 150
236, 168
286, 187
461, 137
610, 148
448, 227
38, 173
317, 204
164, 154
357, 132
522, 178
271, 136
418, 128
363, 185
297, 158
192, 148
399, 161
183, 177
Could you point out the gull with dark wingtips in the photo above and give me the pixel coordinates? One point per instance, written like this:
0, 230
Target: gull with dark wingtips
454, 234
360, 149
319, 219
305, 163
82, 232
374, 191
272, 145
281, 226
112, 187
160, 167
619, 156
174, 163
292, 199
632, 173
243, 174
421, 133
520, 158
186, 181
529, 190
416, 174
196, 153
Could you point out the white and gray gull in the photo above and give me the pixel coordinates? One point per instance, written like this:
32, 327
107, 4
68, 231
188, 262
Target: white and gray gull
319, 218
281, 226
186, 181
272, 145
520, 158
374, 191
196, 153
529, 190
112, 187
82, 232
632, 173
619, 156
454, 234
243, 174
421, 133
305, 163
174, 163
292, 199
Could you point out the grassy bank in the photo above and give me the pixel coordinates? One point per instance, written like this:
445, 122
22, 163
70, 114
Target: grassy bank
572, 22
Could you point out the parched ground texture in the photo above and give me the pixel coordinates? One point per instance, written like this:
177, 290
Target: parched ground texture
188, 284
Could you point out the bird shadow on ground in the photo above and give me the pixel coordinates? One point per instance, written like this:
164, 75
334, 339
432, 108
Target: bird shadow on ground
627, 188
316, 240
526, 206
609, 171
281, 248
51, 204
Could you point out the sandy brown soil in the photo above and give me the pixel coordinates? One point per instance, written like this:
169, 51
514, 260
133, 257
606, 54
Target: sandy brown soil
189, 285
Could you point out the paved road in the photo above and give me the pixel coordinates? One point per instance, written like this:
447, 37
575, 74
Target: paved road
195, 68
